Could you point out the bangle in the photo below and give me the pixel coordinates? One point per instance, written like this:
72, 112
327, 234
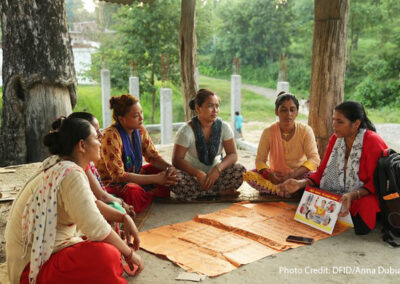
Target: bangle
123, 216
265, 173
129, 255
358, 194
167, 168
218, 169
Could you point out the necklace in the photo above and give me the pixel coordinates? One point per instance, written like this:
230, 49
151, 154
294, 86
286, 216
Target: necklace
287, 135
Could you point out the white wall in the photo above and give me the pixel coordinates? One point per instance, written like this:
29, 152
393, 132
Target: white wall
82, 62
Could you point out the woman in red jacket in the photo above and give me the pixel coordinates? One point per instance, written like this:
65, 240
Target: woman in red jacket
348, 166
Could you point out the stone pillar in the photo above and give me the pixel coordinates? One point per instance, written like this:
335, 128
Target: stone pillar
282, 86
236, 85
197, 75
105, 96
134, 87
166, 115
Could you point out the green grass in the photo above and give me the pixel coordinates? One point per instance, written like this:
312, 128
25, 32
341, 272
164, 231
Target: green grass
384, 115
254, 107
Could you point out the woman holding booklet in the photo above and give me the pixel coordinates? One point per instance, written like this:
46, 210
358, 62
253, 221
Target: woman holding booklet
289, 147
348, 166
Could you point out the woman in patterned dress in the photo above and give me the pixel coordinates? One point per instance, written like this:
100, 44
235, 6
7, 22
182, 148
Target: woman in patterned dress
123, 146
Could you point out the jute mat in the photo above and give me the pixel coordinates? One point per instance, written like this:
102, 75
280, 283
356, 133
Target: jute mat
141, 217
247, 193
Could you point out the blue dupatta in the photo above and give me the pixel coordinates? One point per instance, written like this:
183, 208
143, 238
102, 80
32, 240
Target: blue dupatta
206, 151
132, 151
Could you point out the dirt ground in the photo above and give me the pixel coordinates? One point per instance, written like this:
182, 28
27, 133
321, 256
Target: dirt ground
342, 259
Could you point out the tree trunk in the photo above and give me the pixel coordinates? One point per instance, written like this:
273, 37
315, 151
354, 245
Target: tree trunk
188, 57
39, 81
328, 66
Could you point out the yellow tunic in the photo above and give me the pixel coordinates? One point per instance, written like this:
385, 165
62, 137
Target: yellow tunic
300, 150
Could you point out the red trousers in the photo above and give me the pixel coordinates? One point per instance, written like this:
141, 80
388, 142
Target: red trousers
85, 262
135, 195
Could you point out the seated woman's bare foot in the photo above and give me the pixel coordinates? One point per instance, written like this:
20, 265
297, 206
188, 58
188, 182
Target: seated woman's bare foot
229, 192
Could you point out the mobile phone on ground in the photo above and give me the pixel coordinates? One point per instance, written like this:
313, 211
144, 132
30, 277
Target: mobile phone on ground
300, 240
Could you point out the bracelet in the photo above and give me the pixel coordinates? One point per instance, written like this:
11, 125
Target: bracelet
218, 169
197, 175
123, 216
167, 168
265, 173
129, 255
358, 194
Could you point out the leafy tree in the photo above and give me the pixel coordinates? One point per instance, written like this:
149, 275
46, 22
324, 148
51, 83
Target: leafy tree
76, 11
144, 31
255, 31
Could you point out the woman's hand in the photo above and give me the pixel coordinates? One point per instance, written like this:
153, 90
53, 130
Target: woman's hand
346, 203
202, 178
212, 176
131, 231
132, 259
128, 208
290, 186
172, 171
172, 175
276, 178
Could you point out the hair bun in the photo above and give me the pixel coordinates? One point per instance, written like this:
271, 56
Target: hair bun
281, 93
192, 104
113, 102
51, 140
57, 123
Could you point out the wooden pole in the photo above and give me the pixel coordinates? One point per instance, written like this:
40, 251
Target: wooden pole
188, 56
328, 66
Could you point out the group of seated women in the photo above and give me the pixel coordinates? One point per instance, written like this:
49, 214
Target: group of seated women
59, 227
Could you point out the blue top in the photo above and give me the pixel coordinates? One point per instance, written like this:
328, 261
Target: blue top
238, 120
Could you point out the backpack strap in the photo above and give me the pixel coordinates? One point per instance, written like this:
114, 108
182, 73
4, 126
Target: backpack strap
390, 238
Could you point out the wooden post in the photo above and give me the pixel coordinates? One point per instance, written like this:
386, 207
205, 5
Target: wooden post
188, 57
328, 66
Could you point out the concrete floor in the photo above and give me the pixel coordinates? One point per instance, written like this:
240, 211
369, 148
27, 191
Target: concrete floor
346, 258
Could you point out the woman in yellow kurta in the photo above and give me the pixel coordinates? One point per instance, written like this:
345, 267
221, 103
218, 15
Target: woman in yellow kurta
287, 145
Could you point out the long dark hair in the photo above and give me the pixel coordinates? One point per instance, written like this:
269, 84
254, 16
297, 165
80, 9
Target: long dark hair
200, 98
283, 96
353, 111
66, 133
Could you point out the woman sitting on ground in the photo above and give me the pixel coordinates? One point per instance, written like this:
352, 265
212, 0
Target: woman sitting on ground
197, 152
93, 176
42, 244
289, 147
121, 166
348, 166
